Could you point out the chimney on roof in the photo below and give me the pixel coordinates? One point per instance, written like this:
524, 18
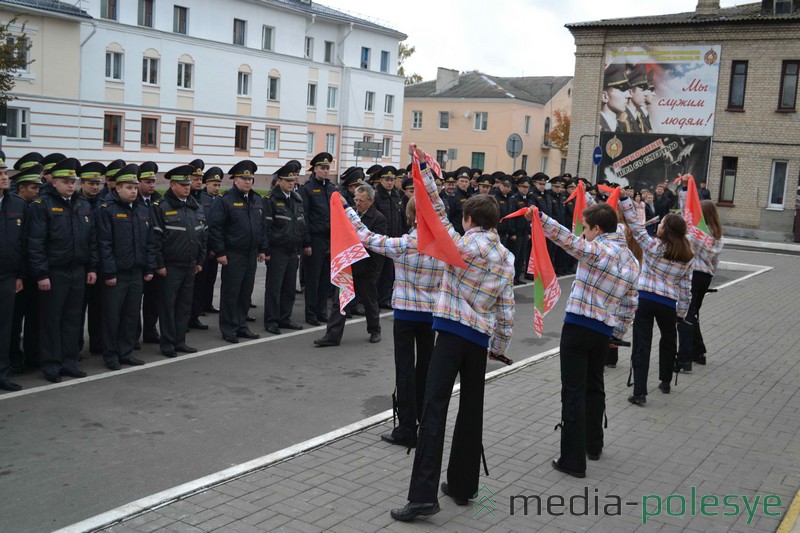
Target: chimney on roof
707, 8
445, 78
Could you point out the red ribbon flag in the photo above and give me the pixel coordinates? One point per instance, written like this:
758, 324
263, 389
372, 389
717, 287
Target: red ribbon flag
692, 212
346, 249
613, 195
580, 204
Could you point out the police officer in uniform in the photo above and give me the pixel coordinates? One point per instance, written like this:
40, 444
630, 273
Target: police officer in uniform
448, 194
26, 162
148, 196
125, 247
205, 280
48, 162
462, 176
111, 176
180, 234
408, 193
197, 179
557, 210
287, 234
91, 178
505, 198
237, 237
522, 250
62, 256
350, 180
389, 203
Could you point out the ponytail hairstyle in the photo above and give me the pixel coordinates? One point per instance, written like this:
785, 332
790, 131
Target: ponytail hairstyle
673, 235
711, 215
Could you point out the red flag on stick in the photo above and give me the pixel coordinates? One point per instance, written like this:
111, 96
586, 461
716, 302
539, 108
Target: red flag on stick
346, 249
692, 212
580, 204
546, 290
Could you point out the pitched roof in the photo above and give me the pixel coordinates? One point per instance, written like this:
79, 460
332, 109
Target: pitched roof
728, 15
537, 89
313, 8
49, 5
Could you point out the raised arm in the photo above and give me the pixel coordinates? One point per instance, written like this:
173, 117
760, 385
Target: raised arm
393, 247
649, 244
576, 246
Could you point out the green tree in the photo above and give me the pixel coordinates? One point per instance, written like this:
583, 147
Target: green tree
403, 53
14, 48
559, 135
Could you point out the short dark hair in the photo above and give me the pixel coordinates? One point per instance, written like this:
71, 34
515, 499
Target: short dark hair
602, 215
484, 211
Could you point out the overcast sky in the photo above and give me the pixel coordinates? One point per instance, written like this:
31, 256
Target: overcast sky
501, 37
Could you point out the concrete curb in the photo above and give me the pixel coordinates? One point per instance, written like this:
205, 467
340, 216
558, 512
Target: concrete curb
791, 520
763, 245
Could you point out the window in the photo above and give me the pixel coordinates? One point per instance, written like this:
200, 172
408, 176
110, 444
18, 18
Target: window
112, 130
546, 139
149, 132
108, 9
183, 135
271, 139
369, 102
777, 184
478, 159
527, 124
267, 33
17, 123
180, 19
243, 85
239, 29
789, 74
727, 185
525, 163
416, 120
367, 138
311, 99
365, 57
330, 143
329, 52
146, 13
544, 164
563, 165
332, 94
185, 75
388, 106
783, 7
273, 87
309, 50
150, 70
444, 120
738, 84
387, 147
441, 155
384, 61
113, 66
24, 51
242, 135
481, 121
310, 142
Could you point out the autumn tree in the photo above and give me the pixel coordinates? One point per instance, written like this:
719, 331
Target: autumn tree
559, 135
403, 53
14, 48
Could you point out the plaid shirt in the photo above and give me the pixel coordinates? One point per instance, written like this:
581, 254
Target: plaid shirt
605, 282
417, 276
706, 251
661, 276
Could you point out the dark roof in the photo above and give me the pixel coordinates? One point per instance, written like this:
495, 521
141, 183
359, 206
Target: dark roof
49, 5
727, 15
328, 12
537, 89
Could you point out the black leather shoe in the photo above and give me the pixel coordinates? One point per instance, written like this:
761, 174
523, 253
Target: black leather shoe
683, 367
247, 334
169, 353
357, 311
637, 399
291, 324
211, 309
388, 307
52, 378
185, 348
573, 473
700, 359
594, 456
251, 318
458, 501
253, 306
137, 346
375, 337
151, 340
413, 510
518, 282
312, 322
405, 443
132, 361
272, 328
664, 387
9, 386
73, 373
196, 324
324, 343
230, 339
323, 319
113, 366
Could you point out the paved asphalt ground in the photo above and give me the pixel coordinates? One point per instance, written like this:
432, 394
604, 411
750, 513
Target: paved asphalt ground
70, 452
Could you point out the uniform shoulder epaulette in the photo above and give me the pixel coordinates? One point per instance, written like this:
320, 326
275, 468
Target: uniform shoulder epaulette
104, 204
157, 202
268, 194
296, 196
37, 201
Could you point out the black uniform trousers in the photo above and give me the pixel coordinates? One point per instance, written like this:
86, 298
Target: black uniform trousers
691, 344
238, 278
175, 306
60, 318
318, 278
279, 293
366, 289
201, 299
452, 356
25, 327
8, 288
522, 252
411, 373
665, 317
210, 269
93, 306
121, 305
583, 398
386, 283
151, 297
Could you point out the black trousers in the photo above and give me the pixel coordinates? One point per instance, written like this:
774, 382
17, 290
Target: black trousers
60, 319
366, 289
411, 373
121, 305
279, 293
175, 306
211, 270
522, 252
690, 338
238, 278
25, 328
93, 307
200, 295
386, 283
318, 278
8, 289
151, 297
613, 356
665, 317
583, 398
452, 356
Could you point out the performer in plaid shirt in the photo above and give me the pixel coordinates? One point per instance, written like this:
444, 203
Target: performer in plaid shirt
663, 286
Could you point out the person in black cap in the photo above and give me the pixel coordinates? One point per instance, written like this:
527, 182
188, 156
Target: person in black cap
180, 234
287, 235
27, 161
48, 162
637, 78
204, 281
556, 209
148, 196
238, 237
62, 256
372, 174
197, 179
522, 251
110, 173
316, 193
408, 193
127, 260
614, 98
350, 181
476, 174
507, 228
389, 203
91, 176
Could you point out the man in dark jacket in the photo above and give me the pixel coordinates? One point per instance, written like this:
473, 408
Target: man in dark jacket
389, 203
91, 179
505, 198
180, 234
62, 256
148, 196
350, 180
462, 176
204, 281
287, 234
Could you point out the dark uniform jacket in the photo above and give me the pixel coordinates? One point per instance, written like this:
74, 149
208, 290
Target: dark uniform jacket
12, 235
61, 233
286, 222
538, 199
156, 196
94, 202
555, 207
206, 200
124, 237
457, 210
662, 204
180, 231
236, 224
376, 222
345, 193
390, 205
521, 226
508, 227
316, 202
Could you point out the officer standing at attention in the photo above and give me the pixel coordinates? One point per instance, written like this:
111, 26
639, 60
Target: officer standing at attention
350, 180
180, 237
127, 260
148, 196
196, 189
48, 162
62, 256
204, 281
111, 176
390, 204
287, 234
91, 176
237, 236
316, 194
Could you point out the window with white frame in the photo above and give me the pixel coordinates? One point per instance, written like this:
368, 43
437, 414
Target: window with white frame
310, 140
146, 13
527, 124
309, 49
777, 185
388, 106
416, 120
544, 164
185, 75
387, 147
21, 46
113, 66
384, 61
17, 123
330, 51
243, 84
330, 143
365, 53
267, 36
150, 70
444, 120
333, 94
367, 138
311, 98
271, 139
369, 102
273, 89
481, 121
